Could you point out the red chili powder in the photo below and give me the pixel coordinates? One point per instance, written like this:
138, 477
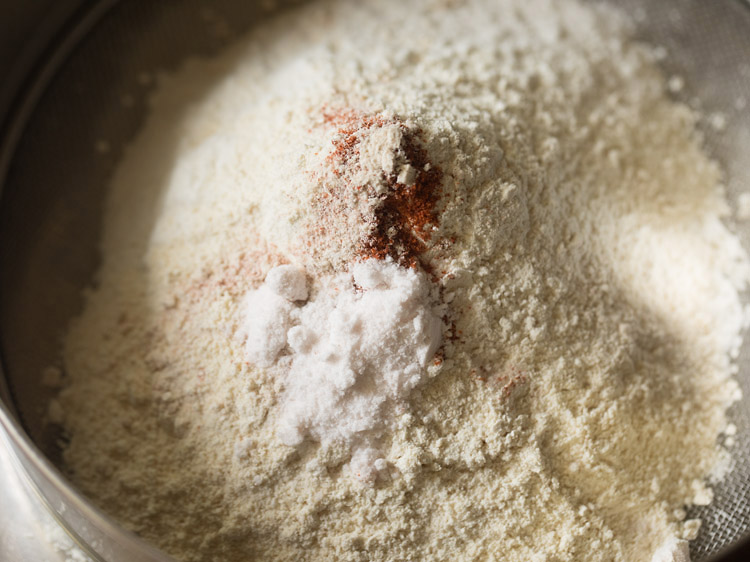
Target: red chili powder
404, 220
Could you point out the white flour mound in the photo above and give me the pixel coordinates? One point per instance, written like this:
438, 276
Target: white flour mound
575, 263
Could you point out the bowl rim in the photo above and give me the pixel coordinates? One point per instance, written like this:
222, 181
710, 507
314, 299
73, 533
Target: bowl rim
44, 53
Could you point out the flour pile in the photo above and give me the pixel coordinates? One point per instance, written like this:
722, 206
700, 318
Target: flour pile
443, 280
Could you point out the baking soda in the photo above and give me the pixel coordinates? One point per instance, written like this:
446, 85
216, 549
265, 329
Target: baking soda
355, 351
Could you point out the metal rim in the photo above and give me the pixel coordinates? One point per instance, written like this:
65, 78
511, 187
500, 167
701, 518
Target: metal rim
48, 56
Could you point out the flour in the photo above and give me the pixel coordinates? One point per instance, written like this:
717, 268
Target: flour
505, 316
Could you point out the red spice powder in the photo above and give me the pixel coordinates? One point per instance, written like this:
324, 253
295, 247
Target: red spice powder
235, 274
407, 213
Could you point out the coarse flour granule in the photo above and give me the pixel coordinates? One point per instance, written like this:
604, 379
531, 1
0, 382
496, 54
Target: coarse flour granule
497, 231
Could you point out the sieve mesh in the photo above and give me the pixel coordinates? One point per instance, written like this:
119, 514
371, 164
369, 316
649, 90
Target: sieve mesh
708, 43
50, 217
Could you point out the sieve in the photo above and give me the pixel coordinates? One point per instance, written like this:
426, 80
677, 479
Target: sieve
82, 96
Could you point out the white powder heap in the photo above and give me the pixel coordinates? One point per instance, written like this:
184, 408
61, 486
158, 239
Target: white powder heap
523, 167
672, 550
356, 350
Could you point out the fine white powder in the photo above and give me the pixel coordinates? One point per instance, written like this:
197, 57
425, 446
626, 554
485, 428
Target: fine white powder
355, 351
673, 550
508, 325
